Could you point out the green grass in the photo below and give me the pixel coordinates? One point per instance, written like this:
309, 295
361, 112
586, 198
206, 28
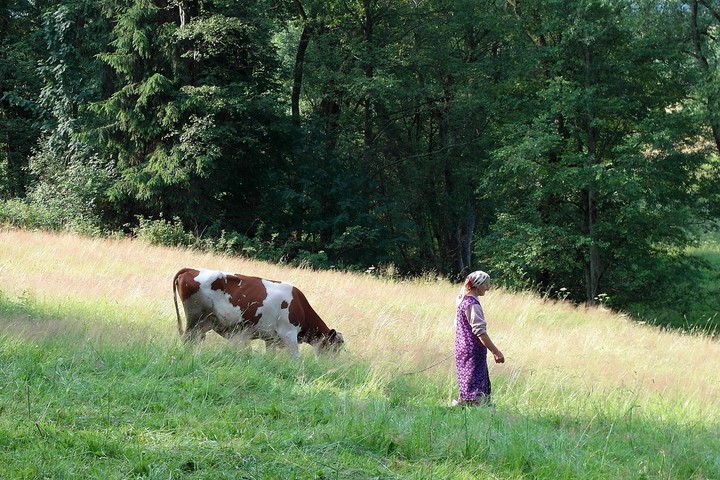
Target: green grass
710, 252
702, 312
84, 394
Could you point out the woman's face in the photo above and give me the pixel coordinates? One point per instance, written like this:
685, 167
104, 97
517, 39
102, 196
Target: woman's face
482, 289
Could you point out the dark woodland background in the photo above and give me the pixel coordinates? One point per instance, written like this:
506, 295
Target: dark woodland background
567, 146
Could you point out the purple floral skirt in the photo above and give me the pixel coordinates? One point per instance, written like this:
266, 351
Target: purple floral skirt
470, 361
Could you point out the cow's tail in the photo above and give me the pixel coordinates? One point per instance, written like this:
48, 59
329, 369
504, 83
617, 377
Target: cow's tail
177, 310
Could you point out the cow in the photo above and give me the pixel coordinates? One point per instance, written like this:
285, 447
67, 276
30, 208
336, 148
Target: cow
255, 307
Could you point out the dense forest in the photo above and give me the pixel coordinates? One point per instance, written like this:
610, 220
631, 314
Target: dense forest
565, 145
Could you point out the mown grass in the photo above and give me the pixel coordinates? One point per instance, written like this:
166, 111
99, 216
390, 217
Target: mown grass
95, 383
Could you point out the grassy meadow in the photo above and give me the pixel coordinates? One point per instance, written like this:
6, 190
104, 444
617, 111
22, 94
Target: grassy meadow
94, 382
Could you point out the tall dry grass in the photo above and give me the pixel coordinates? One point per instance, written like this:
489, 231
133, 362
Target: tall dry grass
399, 326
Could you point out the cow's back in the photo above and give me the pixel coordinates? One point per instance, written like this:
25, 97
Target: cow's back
233, 298
227, 302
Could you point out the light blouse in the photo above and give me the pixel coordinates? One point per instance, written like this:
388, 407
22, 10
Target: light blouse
476, 317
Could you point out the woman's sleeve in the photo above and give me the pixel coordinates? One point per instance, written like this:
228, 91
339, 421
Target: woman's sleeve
477, 320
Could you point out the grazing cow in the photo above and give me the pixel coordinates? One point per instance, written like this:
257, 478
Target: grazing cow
237, 304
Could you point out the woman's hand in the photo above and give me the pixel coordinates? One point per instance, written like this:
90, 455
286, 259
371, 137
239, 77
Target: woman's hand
485, 340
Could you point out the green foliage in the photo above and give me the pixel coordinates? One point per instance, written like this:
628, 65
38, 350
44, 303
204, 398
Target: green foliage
65, 197
75, 194
73, 32
163, 232
598, 186
692, 298
192, 119
555, 145
20, 85
23, 214
174, 234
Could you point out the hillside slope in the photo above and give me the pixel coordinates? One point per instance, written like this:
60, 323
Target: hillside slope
578, 376
406, 324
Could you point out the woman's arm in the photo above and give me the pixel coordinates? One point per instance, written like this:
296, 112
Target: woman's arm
479, 328
485, 339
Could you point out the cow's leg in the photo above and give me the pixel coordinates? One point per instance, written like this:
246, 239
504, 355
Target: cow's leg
236, 334
272, 344
288, 334
196, 315
292, 344
200, 328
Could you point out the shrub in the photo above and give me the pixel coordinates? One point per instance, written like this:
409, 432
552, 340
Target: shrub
24, 214
164, 232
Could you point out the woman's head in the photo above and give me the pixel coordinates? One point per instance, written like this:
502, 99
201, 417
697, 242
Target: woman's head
477, 283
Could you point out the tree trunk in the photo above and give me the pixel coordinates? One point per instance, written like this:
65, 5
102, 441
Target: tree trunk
463, 239
298, 71
593, 267
368, 26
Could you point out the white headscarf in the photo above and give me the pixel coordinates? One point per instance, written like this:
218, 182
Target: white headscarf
475, 279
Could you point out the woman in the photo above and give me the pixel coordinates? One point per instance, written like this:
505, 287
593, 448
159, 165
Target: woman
472, 343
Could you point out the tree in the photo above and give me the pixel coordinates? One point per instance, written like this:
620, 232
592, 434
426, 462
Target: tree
192, 122
598, 184
400, 95
70, 181
19, 86
458, 66
704, 19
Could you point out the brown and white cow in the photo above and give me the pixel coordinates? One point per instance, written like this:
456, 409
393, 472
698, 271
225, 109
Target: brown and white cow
255, 307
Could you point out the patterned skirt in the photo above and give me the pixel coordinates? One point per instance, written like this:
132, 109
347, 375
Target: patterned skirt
471, 364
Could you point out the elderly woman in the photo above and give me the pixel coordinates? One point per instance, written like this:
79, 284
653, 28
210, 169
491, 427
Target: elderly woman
472, 343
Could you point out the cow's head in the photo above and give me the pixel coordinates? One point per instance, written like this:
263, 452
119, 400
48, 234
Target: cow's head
332, 342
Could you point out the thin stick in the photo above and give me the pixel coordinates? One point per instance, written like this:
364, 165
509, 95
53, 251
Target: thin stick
431, 366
